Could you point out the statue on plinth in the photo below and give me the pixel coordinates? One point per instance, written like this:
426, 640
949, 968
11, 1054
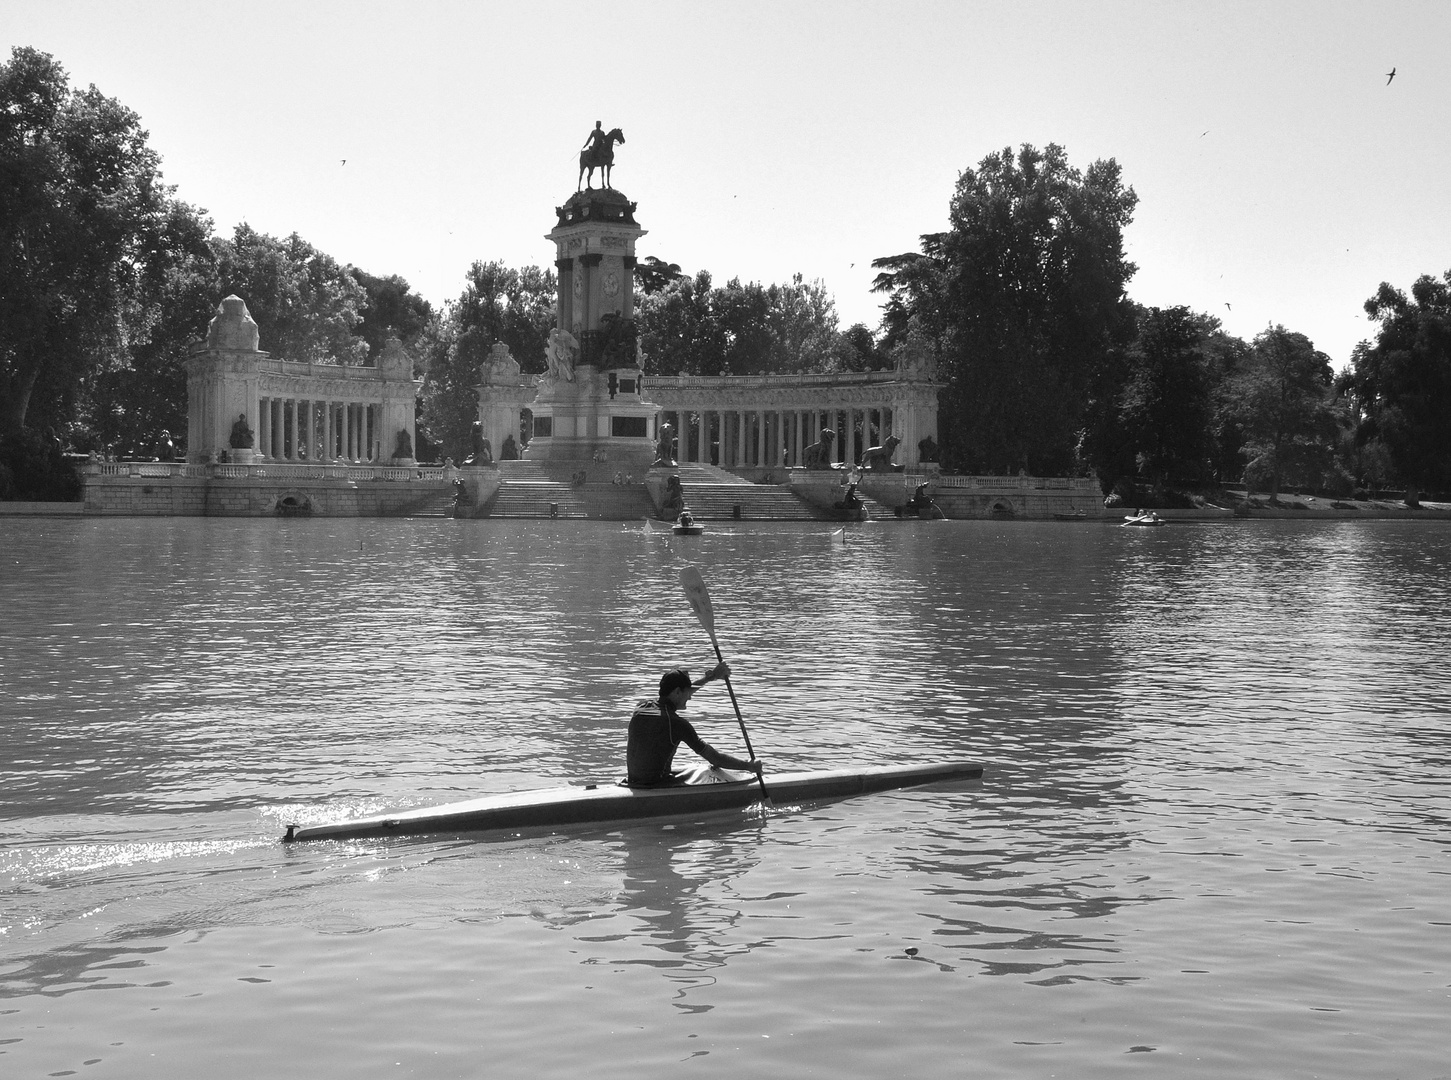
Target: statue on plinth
818, 454
880, 457
665, 447
673, 501
598, 153
510, 450
403, 446
560, 353
927, 449
241, 437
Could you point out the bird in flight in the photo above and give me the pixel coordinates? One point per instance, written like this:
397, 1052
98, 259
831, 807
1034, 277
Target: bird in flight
1228, 307
345, 161
1391, 74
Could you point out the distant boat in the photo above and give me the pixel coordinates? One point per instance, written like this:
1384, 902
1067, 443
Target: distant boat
685, 525
1147, 518
1074, 515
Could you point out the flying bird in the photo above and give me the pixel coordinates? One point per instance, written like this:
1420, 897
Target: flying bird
345, 161
1228, 307
1390, 75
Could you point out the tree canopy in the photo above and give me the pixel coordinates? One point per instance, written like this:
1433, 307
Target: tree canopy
86, 231
498, 304
1403, 382
690, 326
1025, 297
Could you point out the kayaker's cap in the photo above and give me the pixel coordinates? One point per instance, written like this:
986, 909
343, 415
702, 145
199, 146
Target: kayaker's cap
674, 679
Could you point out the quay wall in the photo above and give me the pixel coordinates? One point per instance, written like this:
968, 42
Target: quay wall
166, 489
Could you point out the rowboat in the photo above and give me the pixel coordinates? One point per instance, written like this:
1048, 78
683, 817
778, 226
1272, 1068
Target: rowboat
593, 804
1148, 518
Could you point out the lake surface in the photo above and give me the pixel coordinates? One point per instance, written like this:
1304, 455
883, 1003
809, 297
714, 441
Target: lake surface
1211, 839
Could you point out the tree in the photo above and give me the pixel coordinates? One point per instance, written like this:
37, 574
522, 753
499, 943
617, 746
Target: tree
83, 219
1025, 295
307, 307
390, 309
1164, 406
652, 275
498, 304
1403, 383
1285, 404
690, 327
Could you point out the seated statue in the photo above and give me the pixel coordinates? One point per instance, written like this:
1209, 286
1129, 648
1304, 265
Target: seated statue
880, 457
403, 447
241, 438
510, 450
674, 499
818, 454
665, 446
927, 449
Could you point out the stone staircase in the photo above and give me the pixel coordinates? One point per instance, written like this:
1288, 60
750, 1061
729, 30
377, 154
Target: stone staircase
531, 489
440, 506
712, 494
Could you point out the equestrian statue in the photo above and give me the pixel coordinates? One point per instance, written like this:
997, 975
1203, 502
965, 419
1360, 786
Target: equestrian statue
598, 153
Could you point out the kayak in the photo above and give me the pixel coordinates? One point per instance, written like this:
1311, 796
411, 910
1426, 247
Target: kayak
611, 802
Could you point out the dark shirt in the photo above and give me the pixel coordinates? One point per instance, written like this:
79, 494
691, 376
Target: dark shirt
656, 731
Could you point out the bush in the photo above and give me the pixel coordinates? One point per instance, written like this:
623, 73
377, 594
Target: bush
33, 469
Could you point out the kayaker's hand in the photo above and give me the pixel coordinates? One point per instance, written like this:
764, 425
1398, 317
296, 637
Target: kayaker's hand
756, 765
720, 671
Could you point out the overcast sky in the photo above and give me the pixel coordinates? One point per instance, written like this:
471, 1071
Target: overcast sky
1280, 178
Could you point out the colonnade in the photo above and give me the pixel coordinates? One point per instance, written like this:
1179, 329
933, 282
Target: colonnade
318, 432
771, 438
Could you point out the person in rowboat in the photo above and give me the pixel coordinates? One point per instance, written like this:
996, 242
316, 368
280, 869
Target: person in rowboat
657, 729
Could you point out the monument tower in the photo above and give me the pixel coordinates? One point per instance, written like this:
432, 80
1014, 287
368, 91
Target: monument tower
589, 399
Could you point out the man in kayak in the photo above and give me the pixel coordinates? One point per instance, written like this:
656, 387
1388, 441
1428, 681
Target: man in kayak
657, 729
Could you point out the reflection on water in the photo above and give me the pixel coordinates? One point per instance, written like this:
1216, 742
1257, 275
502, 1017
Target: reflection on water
1211, 831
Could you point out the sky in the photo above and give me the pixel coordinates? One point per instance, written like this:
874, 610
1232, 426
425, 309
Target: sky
1281, 177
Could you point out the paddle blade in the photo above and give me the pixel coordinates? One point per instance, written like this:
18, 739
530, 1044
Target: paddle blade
695, 592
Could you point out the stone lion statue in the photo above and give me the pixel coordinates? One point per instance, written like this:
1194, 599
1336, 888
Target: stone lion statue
880, 457
665, 446
818, 454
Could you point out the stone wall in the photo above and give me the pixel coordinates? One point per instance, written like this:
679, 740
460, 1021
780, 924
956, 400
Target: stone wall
199, 492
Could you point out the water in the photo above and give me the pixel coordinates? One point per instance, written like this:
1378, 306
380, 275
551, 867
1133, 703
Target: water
1211, 838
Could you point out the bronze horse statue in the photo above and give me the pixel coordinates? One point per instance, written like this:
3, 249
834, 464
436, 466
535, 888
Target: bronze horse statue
600, 155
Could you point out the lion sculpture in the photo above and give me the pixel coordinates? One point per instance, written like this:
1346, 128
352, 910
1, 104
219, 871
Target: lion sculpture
880, 457
818, 454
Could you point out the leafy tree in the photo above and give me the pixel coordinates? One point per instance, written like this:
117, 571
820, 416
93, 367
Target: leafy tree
391, 309
128, 405
1164, 406
83, 223
498, 304
1025, 295
692, 327
1403, 382
307, 307
652, 275
1285, 403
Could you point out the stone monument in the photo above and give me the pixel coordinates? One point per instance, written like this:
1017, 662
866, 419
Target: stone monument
588, 406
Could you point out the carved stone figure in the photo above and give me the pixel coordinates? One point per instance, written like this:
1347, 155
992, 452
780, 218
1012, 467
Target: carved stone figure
598, 153
241, 437
673, 501
665, 446
165, 448
476, 443
510, 450
403, 446
560, 353
927, 449
818, 454
500, 368
880, 457
232, 327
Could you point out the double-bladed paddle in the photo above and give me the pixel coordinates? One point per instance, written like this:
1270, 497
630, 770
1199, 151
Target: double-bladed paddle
699, 597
